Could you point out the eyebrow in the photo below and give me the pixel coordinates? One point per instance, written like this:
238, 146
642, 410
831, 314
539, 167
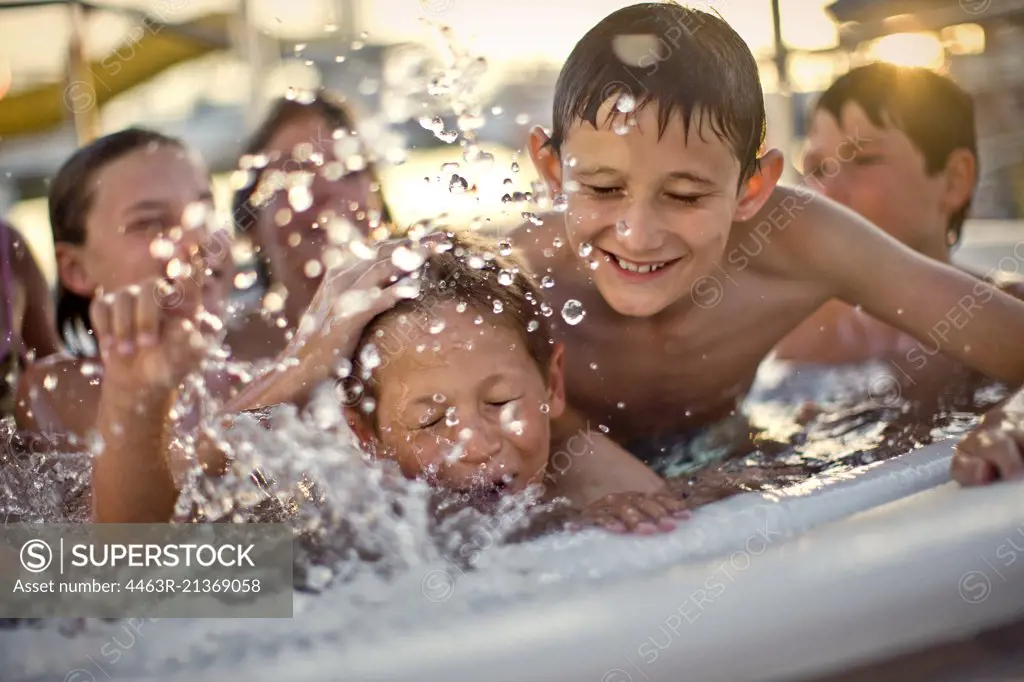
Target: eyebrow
674, 175
155, 204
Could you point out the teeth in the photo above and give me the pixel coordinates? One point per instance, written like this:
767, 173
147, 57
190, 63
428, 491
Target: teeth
636, 267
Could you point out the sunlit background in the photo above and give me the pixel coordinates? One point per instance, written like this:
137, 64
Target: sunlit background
239, 55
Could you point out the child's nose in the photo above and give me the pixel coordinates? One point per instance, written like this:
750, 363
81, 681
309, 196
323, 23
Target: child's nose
638, 230
481, 440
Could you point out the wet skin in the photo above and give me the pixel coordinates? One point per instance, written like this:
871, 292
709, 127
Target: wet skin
680, 346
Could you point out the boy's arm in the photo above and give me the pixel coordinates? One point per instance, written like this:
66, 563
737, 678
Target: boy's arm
587, 465
933, 302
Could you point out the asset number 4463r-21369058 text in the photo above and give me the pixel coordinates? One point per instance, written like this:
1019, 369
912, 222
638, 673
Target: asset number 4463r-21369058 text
194, 585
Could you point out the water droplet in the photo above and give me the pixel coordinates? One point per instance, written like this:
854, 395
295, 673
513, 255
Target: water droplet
369, 357
593, 365
439, 398
585, 249
506, 277
626, 103
505, 247
244, 280
436, 326
476, 262
451, 416
533, 326
557, 242
515, 167
458, 184
592, 264
522, 119
195, 215
90, 369
433, 124
545, 408
622, 228
50, 382
407, 287
620, 405
460, 307
498, 307
313, 268
547, 282
899, 311
573, 312
362, 250
510, 421
369, 405
300, 198
603, 428
546, 310
409, 259
447, 136
560, 204
620, 127
161, 248
478, 319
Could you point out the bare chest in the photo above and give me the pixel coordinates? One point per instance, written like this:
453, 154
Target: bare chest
641, 377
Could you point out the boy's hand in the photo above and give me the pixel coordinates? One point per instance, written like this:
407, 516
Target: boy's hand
995, 448
148, 340
641, 513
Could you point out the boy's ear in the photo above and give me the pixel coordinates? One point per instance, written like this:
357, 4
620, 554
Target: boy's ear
71, 270
960, 175
545, 159
556, 382
759, 188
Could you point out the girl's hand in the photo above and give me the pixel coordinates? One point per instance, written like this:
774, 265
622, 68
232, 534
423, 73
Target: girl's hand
995, 448
148, 340
641, 513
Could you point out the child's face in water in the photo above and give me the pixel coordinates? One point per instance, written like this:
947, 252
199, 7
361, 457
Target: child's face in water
655, 210
467, 408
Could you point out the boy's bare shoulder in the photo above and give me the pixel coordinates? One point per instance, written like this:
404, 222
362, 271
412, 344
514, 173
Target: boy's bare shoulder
797, 232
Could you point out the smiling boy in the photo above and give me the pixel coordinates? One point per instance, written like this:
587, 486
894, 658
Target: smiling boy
688, 260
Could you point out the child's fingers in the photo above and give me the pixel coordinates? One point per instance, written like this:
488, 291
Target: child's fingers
970, 470
99, 317
655, 512
675, 506
1005, 453
123, 321
147, 321
609, 522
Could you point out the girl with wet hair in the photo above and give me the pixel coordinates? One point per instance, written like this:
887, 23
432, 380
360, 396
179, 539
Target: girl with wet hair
309, 185
126, 211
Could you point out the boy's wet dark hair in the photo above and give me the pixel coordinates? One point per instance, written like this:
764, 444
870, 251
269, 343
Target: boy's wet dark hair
336, 115
683, 60
70, 200
936, 114
473, 272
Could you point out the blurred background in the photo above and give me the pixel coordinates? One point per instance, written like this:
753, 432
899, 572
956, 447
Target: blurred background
204, 70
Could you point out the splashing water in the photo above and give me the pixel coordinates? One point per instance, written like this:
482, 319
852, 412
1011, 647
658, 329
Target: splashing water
586, 248
573, 312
